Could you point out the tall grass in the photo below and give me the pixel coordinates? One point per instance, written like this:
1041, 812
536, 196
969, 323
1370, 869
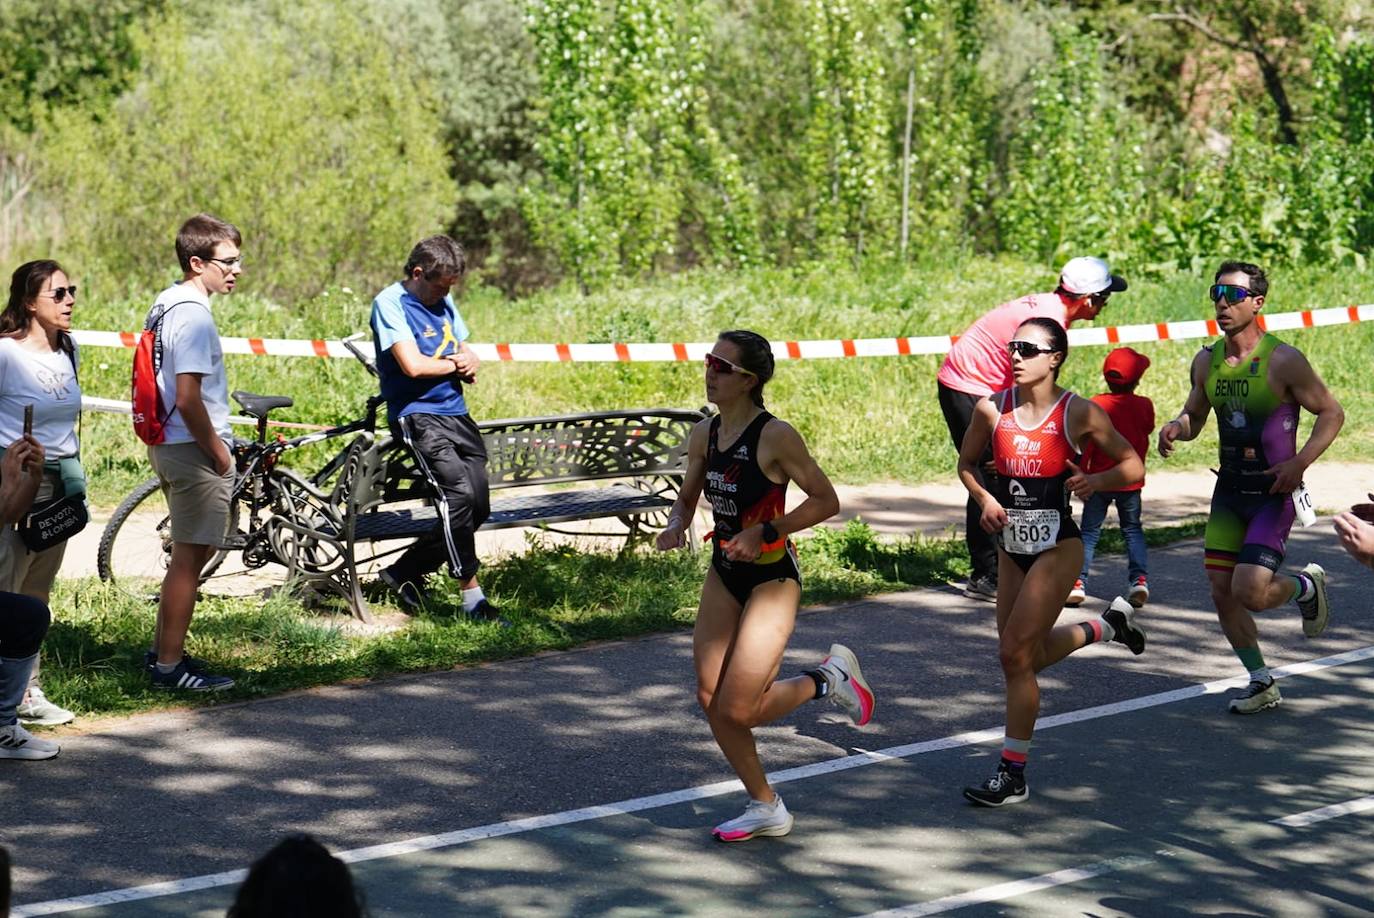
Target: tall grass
868, 419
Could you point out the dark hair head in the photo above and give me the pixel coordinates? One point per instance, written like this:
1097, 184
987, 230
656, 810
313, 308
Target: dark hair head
437, 256
755, 355
298, 879
1058, 338
1258, 283
199, 235
25, 285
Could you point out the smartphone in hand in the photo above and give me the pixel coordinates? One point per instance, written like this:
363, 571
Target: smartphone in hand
28, 431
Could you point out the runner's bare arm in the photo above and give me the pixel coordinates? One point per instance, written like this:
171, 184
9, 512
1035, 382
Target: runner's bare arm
1193, 417
994, 517
680, 517
1089, 423
1293, 377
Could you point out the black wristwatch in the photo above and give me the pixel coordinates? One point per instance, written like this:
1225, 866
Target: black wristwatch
770, 533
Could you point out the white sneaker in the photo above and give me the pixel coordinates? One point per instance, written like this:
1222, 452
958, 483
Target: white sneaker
18, 743
1076, 595
848, 689
1258, 696
759, 818
37, 709
1315, 611
1140, 592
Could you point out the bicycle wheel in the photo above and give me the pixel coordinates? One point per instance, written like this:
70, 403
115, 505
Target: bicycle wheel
136, 545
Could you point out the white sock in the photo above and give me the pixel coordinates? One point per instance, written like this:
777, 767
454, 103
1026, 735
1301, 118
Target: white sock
1306, 588
1261, 675
472, 597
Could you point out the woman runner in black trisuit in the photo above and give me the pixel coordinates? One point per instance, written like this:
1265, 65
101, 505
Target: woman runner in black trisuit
743, 458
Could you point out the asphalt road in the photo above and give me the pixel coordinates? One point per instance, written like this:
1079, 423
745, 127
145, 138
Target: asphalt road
1163, 809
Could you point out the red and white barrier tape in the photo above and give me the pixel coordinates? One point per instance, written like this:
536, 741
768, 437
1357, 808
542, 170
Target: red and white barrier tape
789, 350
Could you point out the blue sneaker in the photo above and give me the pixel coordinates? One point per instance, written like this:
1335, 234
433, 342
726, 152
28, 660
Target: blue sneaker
194, 664
185, 679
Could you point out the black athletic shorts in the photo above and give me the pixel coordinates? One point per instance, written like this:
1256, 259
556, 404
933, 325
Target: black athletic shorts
1068, 529
740, 578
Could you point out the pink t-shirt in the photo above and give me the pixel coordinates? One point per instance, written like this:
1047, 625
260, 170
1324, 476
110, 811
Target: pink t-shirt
978, 363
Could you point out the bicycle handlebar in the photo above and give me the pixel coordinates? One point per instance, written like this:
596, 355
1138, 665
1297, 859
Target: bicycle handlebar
362, 358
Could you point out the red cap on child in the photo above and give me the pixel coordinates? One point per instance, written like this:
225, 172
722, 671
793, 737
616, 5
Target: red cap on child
1124, 366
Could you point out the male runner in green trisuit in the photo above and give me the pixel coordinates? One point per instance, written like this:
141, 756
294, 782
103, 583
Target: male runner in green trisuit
1255, 385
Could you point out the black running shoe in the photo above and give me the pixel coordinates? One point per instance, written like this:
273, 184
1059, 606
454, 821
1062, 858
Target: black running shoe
484, 611
411, 597
1121, 616
999, 790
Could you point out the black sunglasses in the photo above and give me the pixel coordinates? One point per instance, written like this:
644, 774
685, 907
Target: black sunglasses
59, 294
1231, 292
1028, 349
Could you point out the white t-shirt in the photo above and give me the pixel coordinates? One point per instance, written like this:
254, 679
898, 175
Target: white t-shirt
190, 344
47, 381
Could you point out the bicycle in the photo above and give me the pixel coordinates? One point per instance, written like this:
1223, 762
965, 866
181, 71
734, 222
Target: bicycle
277, 516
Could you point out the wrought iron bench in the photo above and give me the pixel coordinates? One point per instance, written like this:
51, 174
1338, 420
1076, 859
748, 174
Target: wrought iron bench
630, 463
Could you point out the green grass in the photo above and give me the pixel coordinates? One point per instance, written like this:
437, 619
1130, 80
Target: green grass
556, 598
866, 420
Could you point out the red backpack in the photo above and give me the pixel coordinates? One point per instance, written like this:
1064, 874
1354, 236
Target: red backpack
150, 418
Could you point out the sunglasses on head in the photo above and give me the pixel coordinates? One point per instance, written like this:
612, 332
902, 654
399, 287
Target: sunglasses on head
1232, 293
723, 366
1028, 349
59, 294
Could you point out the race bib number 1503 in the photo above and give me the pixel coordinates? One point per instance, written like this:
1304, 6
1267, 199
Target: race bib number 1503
1029, 532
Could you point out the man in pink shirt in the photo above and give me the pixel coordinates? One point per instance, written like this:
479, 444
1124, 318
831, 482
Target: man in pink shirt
979, 364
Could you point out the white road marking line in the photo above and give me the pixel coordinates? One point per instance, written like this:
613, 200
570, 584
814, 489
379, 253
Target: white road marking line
686, 795
1002, 891
1298, 820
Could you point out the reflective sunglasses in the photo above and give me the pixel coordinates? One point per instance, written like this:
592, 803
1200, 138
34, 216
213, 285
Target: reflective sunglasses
1028, 349
59, 294
1232, 293
724, 367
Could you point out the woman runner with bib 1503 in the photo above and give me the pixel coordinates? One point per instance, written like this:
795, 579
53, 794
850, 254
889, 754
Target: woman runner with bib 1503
1037, 429
744, 458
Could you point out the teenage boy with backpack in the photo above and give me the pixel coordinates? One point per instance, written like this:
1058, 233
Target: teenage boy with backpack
191, 454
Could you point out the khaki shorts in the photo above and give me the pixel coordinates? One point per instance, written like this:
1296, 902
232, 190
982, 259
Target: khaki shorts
197, 497
24, 571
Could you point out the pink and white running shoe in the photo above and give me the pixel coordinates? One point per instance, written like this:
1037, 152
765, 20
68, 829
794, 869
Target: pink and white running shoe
847, 686
758, 819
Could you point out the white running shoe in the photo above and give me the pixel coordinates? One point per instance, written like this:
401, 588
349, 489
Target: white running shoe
1316, 612
37, 709
1259, 696
18, 743
848, 689
759, 818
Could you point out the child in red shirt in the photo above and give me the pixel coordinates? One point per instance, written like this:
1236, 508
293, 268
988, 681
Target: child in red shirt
1134, 416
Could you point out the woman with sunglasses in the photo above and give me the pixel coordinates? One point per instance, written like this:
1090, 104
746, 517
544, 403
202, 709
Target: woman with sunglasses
744, 459
1036, 430
38, 367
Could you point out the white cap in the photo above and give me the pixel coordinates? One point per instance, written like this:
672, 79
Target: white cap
1089, 275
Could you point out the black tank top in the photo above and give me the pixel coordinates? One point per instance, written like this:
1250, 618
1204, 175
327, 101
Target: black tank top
740, 494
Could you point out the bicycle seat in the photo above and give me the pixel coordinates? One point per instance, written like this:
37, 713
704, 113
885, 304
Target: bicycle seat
258, 405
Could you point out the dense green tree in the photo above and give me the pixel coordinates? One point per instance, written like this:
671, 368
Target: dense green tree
299, 129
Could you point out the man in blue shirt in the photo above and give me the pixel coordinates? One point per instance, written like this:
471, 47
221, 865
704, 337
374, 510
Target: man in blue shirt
423, 359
